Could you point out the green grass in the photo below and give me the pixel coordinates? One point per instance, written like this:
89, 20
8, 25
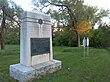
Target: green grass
75, 68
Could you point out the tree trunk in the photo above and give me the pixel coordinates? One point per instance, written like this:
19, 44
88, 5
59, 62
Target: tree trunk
78, 39
1, 41
2, 44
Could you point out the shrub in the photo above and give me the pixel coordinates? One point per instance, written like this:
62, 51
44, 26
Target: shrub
11, 36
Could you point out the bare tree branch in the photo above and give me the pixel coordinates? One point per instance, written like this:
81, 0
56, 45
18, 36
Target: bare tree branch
44, 6
71, 13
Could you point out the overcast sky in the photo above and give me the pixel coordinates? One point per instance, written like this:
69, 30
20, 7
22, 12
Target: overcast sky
100, 3
26, 4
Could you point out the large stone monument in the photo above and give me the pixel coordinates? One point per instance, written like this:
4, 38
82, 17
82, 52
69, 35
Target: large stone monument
36, 55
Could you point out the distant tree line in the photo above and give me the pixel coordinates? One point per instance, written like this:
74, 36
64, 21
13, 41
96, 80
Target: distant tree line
100, 38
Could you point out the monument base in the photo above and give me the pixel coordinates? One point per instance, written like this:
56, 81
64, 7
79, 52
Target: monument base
24, 73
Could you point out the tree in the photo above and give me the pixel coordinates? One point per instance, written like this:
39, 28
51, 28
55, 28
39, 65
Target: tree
68, 6
11, 36
9, 14
84, 28
95, 15
101, 36
74, 11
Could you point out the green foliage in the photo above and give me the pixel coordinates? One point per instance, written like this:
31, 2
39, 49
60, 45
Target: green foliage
72, 43
56, 41
106, 39
4, 3
97, 39
66, 39
11, 36
101, 37
10, 10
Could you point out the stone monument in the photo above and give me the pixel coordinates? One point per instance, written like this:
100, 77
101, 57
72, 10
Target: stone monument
36, 55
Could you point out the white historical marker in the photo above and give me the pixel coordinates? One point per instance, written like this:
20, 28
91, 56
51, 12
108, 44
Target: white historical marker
36, 55
86, 46
84, 42
87, 41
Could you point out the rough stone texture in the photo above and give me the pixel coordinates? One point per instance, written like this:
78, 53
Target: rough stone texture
26, 73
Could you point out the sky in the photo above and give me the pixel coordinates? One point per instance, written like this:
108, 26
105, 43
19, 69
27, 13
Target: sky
105, 4
100, 3
27, 5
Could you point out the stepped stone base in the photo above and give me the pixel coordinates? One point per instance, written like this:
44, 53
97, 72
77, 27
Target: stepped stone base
24, 73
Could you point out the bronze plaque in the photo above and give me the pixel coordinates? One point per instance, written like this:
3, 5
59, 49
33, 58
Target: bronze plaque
40, 46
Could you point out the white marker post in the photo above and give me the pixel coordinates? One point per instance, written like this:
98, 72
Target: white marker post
84, 45
87, 46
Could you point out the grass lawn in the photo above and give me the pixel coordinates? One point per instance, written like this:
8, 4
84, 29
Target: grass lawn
75, 68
